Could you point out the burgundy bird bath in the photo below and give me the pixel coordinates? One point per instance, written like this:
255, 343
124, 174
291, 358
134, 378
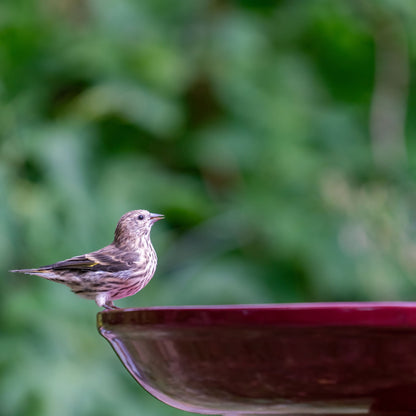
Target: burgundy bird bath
286, 359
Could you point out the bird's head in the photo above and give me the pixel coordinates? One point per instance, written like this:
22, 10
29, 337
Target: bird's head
133, 226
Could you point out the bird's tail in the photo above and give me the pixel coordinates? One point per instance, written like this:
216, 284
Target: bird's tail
35, 272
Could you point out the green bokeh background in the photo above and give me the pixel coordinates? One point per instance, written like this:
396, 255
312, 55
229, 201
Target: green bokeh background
278, 138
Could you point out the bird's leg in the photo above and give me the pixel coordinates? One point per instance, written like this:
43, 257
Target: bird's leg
103, 302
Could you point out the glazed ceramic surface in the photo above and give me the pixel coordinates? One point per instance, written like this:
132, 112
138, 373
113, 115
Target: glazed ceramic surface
288, 359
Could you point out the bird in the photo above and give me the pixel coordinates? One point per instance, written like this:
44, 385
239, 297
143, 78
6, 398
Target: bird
116, 271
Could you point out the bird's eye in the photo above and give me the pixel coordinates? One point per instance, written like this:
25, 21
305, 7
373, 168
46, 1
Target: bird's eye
140, 217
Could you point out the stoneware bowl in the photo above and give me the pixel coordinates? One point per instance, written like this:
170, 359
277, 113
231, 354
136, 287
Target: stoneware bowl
286, 359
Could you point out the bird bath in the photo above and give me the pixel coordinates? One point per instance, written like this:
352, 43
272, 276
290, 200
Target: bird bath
286, 359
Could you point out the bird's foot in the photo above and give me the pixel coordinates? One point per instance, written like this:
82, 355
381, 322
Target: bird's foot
109, 306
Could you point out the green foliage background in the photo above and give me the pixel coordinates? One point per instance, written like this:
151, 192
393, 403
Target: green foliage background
278, 138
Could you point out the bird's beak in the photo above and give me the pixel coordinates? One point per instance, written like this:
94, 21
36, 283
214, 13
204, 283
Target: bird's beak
156, 217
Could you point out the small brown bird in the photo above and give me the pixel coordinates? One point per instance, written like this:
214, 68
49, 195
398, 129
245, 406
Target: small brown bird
116, 271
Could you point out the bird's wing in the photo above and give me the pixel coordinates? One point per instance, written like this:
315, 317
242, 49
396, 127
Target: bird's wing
96, 261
